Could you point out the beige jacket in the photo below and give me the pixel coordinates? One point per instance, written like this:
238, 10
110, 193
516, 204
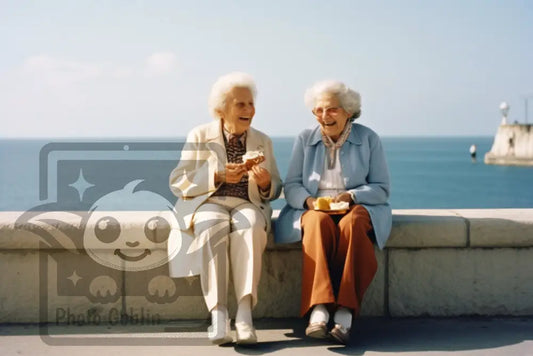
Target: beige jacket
193, 182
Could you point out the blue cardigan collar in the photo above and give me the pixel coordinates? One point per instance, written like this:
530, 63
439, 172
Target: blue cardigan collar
316, 136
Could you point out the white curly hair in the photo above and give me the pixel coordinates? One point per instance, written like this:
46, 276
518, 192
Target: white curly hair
349, 99
223, 85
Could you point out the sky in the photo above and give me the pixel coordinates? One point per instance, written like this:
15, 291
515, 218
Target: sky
91, 68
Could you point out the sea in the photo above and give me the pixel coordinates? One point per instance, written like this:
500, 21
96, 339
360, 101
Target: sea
426, 172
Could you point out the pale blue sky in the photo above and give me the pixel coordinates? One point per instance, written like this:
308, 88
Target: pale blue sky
144, 68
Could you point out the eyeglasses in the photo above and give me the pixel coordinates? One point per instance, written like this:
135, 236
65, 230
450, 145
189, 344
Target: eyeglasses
332, 111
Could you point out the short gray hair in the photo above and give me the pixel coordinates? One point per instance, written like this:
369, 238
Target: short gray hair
349, 99
225, 84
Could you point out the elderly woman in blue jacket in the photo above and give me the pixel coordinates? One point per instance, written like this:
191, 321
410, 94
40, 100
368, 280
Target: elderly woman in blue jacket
344, 161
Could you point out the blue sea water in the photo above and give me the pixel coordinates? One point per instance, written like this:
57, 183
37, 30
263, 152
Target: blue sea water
425, 173
439, 173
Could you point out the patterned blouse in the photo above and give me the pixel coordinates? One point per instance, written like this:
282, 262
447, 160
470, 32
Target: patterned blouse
235, 149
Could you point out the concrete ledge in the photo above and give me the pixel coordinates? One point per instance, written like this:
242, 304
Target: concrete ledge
503, 228
428, 228
62, 229
449, 282
436, 263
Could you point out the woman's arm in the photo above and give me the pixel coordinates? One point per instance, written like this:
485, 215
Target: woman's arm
275, 180
295, 192
377, 189
195, 172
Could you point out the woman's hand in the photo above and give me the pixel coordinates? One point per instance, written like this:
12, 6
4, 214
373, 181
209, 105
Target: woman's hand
310, 203
344, 196
261, 177
233, 173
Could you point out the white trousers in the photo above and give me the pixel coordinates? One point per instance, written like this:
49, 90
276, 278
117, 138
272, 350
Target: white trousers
232, 232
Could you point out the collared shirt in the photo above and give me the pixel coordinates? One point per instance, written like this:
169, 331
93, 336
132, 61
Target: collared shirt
242, 138
228, 136
235, 149
234, 154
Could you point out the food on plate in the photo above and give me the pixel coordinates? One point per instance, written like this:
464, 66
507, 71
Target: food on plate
323, 203
327, 203
341, 205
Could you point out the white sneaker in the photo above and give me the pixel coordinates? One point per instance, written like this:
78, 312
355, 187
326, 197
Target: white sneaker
220, 337
245, 334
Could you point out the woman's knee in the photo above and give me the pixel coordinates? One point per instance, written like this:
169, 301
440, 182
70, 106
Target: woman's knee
317, 219
211, 219
317, 225
247, 218
358, 216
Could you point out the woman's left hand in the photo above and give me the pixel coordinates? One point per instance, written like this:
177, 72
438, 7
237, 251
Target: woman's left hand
261, 176
344, 196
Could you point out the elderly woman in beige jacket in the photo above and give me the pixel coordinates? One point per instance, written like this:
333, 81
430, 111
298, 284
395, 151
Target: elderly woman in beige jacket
223, 204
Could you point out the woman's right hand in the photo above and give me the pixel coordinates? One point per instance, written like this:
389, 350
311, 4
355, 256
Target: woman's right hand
310, 203
234, 172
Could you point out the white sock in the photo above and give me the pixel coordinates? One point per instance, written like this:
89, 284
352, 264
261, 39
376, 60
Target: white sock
319, 314
244, 311
343, 316
219, 315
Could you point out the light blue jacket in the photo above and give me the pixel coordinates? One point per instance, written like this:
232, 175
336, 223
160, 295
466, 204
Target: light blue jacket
365, 173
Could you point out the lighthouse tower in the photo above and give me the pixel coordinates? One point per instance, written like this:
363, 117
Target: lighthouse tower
504, 108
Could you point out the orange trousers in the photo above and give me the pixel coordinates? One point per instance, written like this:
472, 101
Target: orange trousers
339, 262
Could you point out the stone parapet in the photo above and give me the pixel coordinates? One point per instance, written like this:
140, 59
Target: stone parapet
436, 263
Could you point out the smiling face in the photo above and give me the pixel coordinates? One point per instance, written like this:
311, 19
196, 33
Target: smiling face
238, 111
330, 115
125, 244
129, 240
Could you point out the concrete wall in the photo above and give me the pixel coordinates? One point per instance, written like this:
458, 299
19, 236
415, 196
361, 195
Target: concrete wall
513, 145
437, 263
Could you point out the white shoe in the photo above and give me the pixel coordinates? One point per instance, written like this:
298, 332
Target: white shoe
220, 337
340, 334
245, 334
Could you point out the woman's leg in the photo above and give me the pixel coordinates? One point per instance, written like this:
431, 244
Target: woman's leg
248, 240
318, 245
354, 262
211, 228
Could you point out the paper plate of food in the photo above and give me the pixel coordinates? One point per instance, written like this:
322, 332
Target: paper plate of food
327, 205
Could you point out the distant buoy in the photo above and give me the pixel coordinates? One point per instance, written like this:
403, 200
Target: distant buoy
473, 152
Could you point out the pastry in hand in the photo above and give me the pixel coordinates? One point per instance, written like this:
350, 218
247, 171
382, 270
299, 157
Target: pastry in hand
252, 158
